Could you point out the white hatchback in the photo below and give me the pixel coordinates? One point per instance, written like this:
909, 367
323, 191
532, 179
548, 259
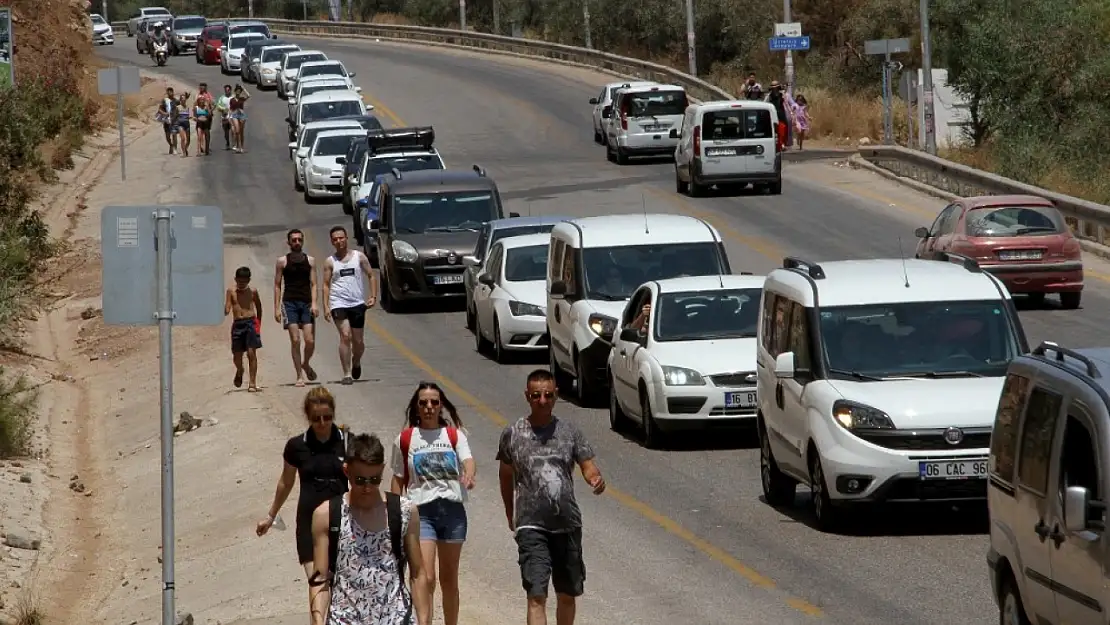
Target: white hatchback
727, 143
510, 297
322, 174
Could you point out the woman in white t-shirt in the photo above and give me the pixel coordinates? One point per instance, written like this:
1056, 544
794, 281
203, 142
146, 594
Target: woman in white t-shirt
432, 461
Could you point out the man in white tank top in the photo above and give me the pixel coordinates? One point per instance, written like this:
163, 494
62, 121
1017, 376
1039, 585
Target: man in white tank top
346, 300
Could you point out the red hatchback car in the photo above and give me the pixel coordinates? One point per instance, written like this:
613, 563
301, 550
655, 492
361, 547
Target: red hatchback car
209, 42
1022, 240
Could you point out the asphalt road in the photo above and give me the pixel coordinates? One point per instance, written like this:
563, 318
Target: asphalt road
684, 533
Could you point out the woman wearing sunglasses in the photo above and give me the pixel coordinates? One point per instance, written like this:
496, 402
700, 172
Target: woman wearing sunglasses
431, 460
316, 456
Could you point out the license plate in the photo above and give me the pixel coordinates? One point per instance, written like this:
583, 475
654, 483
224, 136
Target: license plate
971, 469
454, 278
1020, 254
720, 152
740, 399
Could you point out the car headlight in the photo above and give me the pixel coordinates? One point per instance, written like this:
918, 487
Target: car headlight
681, 376
524, 309
855, 416
404, 252
603, 326
268, 72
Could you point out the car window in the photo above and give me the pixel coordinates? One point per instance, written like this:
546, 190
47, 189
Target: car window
766, 319
555, 261
799, 337
323, 70
273, 54
317, 111
311, 89
1007, 420
241, 41
448, 211
516, 231
635, 305
569, 273
1041, 414
735, 124
294, 62
384, 164
332, 146
1078, 456
704, 315
526, 264
650, 103
612, 273
945, 223
483, 241
189, 23
780, 326
1014, 221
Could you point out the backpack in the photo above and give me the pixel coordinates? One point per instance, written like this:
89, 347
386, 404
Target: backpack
335, 522
406, 440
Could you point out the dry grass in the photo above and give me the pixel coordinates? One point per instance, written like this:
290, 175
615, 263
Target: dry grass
28, 613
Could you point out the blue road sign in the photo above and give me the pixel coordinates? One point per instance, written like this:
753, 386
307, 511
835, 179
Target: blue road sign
779, 44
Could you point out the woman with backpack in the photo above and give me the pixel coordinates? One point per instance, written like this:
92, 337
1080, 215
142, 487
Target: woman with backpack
432, 464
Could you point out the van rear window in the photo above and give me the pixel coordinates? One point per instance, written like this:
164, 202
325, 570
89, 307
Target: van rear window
649, 103
736, 124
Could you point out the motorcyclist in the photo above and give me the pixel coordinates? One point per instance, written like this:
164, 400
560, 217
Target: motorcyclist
158, 35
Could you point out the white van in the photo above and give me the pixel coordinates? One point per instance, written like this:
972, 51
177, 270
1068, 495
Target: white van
727, 143
595, 264
642, 120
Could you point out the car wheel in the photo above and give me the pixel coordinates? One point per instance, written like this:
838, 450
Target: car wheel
1010, 609
828, 516
347, 208
617, 419
308, 199
648, 427
1070, 301
586, 391
778, 488
775, 187
500, 354
679, 185
481, 345
389, 305
297, 184
621, 156
562, 380
598, 137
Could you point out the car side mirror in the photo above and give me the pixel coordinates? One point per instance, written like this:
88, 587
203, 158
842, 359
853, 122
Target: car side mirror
302, 153
273, 36
1076, 501
293, 146
350, 74
784, 365
359, 90
375, 224
921, 233
674, 134
593, 100
342, 160
631, 335
471, 260
558, 289
486, 279
514, 214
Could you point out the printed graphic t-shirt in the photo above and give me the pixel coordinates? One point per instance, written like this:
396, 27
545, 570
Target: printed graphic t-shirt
543, 461
434, 467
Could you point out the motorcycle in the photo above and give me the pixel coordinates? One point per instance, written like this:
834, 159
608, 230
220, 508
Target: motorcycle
159, 53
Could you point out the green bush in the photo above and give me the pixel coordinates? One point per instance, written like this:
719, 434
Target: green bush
17, 410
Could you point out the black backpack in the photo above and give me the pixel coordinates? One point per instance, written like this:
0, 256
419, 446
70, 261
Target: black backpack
335, 513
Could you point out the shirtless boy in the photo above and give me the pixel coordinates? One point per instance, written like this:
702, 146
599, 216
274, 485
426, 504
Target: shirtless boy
245, 307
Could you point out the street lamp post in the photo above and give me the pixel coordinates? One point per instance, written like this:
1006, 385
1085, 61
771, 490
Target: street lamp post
927, 109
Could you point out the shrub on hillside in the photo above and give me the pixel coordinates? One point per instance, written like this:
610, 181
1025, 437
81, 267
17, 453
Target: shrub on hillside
17, 406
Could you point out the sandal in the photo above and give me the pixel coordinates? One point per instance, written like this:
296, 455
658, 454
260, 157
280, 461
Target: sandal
309, 372
238, 382
252, 389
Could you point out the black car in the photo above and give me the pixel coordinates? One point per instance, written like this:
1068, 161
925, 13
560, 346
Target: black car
428, 221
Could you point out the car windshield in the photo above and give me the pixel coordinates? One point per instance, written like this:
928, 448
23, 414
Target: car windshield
732, 124
326, 110
1013, 221
189, 23
526, 264
705, 315
323, 70
260, 29
310, 89
612, 273
308, 137
295, 62
652, 103
455, 211
332, 146
96, 19
274, 54
919, 339
383, 165
241, 41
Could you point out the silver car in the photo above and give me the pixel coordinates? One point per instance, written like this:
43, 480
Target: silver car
184, 31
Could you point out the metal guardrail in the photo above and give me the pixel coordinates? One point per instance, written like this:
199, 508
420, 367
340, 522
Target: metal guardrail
1090, 221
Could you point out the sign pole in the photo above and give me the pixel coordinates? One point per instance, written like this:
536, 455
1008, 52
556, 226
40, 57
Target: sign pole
888, 114
789, 64
691, 39
164, 314
119, 121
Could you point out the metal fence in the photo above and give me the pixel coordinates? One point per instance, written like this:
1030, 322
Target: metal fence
1090, 221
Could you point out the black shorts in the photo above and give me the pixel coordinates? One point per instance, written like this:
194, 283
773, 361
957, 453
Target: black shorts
557, 557
204, 124
244, 335
355, 315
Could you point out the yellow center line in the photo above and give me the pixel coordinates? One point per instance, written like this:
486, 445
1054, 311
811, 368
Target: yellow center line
666, 523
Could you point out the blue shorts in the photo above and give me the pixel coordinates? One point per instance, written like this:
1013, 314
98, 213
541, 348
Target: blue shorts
297, 313
443, 521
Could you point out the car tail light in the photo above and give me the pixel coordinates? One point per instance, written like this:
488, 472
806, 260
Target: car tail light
624, 119
697, 140
1072, 249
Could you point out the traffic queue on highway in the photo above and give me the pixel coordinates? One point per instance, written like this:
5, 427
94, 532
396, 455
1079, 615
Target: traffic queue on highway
837, 366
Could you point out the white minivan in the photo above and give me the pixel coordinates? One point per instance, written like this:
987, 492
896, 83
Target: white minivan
727, 143
642, 120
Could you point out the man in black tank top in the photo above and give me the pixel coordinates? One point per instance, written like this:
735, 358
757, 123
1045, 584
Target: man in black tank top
295, 305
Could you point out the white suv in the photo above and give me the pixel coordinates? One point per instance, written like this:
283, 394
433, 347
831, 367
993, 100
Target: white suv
594, 264
878, 380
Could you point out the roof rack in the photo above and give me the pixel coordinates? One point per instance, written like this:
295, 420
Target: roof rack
968, 263
478, 170
401, 139
1049, 346
811, 268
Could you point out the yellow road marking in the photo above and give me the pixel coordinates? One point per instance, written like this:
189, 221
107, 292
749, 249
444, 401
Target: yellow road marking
666, 523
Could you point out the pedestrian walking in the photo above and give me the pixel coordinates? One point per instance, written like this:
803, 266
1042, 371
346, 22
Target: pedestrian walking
799, 108
538, 454
432, 463
362, 543
202, 112
346, 300
782, 127
295, 303
184, 123
223, 105
241, 301
167, 115
316, 457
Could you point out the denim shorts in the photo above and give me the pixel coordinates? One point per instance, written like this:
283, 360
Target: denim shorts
443, 521
297, 313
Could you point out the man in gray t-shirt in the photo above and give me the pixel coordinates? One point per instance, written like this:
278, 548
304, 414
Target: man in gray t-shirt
538, 454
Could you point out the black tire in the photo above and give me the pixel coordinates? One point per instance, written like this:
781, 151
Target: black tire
679, 185
828, 516
1071, 300
779, 489
481, 345
500, 354
648, 428
563, 382
1010, 609
618, 421
471, 322
775, 187
587, 394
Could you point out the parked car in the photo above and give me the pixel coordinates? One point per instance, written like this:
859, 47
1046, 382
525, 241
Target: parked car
1021, 239
184, 32
210, 42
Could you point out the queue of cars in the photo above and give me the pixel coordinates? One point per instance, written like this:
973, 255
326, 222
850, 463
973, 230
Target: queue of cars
837, 366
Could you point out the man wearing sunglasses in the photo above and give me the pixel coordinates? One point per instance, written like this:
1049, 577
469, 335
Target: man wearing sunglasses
371, 537
538, 454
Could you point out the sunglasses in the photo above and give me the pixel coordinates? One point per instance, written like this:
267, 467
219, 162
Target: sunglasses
322, 419
543, 394
366, 480
428, 402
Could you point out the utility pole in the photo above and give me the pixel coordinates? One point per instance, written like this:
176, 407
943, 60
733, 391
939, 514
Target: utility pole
586, 21
927, 81
786, 17
497, 17
691, 40
462, 14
